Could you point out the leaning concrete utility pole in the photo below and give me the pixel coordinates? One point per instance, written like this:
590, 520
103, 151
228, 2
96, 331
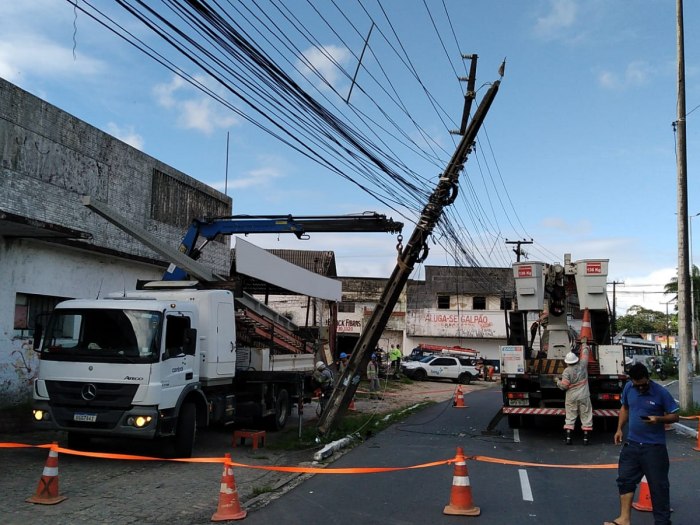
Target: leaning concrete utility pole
685, 387
415, 251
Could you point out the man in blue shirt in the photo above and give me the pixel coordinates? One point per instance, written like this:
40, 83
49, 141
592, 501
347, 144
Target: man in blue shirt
647, 407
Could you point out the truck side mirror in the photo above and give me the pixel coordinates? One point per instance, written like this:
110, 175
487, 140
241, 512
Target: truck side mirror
189, 343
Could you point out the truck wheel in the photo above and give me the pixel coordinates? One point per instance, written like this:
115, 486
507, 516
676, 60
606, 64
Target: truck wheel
78, 441
465, 378
282, 410
185, 431
419, 375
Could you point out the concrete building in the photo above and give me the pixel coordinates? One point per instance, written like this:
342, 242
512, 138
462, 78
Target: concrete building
460, 306
52, 247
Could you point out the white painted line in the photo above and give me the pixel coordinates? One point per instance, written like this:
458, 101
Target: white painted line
516, 435
525, 485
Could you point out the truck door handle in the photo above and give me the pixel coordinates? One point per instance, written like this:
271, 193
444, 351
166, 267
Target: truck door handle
188, 375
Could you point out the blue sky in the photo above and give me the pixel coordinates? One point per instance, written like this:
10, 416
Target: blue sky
577, 152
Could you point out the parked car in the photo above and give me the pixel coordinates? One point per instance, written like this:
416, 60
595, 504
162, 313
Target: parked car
456, 368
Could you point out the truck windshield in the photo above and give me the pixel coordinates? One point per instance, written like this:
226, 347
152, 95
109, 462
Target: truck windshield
103, 335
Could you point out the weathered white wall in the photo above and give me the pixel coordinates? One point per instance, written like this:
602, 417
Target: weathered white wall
35, 267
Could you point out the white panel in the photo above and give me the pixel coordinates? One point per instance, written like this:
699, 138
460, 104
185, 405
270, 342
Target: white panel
256, 262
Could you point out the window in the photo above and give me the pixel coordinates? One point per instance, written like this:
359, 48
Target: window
506, 303
444, 361
346, 307
32, 311
175, 334
443, 302
479, 303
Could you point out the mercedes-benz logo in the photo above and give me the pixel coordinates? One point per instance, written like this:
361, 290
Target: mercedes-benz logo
89, 392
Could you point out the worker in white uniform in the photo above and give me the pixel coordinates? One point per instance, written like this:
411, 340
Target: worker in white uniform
574, 380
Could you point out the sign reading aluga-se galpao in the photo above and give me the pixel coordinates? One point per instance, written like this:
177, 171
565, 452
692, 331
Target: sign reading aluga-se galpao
478, 324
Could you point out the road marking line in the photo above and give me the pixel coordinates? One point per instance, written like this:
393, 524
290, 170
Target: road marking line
525, 485
516, 435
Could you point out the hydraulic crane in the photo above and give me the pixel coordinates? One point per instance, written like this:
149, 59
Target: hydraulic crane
299, 226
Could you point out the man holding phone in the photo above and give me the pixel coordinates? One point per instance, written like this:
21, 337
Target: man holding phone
647, 407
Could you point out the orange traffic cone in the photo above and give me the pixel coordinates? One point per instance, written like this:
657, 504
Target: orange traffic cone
587, 332
47, 491
351, 406
459, 398
229, 507
697, 444
461, 503
643, 502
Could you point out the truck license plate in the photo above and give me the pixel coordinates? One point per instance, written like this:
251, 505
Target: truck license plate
89, 418
518, 402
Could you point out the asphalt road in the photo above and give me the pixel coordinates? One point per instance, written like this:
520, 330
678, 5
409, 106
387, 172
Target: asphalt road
505, 493
154, 493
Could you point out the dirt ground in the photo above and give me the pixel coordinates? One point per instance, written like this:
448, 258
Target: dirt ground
398, 395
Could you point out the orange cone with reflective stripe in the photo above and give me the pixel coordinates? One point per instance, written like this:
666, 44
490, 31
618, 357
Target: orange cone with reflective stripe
643, 502
697, 444
587, 332
351, 406
461, 503
459, 398
47, 491
229, 506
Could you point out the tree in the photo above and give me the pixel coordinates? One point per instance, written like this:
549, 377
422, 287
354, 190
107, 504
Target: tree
640, 320
671, 287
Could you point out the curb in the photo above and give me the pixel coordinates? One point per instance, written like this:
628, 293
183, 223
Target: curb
685, 430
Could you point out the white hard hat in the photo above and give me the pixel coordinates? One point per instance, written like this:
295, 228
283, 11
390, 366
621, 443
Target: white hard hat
571, 358
320, 365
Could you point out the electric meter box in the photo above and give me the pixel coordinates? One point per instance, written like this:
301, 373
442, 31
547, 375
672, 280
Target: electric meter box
529, 285
591, 283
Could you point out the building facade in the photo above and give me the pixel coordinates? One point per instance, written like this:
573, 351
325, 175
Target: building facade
54, 248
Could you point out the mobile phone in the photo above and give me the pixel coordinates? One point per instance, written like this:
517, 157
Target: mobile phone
645, 418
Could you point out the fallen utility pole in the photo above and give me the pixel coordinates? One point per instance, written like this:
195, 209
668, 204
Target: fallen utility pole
415, 251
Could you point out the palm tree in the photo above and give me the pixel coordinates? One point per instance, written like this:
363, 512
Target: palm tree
672, 287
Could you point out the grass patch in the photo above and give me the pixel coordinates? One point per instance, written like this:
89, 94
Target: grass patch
693, 411
363, 424
257, 491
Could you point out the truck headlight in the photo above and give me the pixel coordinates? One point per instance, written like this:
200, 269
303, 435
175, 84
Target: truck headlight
40, 414
139, 421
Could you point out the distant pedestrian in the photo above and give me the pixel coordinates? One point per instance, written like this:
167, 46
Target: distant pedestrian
574, 380
395, 359
373, 377
646, 408
343, 364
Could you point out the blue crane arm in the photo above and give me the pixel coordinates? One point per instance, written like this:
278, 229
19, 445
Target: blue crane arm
299, 226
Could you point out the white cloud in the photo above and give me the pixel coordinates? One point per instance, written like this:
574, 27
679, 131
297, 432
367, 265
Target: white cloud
33, 55
645, 290
256, 178
126, 134
194, 109
324, 62
561, 16
636, 73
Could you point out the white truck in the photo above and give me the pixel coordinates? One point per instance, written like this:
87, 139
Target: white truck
556, 299
158, 363
458, 368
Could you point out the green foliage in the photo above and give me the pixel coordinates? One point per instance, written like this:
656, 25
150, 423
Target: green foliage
640, 320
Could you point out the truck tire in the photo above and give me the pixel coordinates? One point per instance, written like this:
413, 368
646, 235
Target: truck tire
283, 408
419, 375
185, 431
465, 378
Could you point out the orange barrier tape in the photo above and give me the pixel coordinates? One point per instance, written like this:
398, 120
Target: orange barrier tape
487, 459
303, 470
